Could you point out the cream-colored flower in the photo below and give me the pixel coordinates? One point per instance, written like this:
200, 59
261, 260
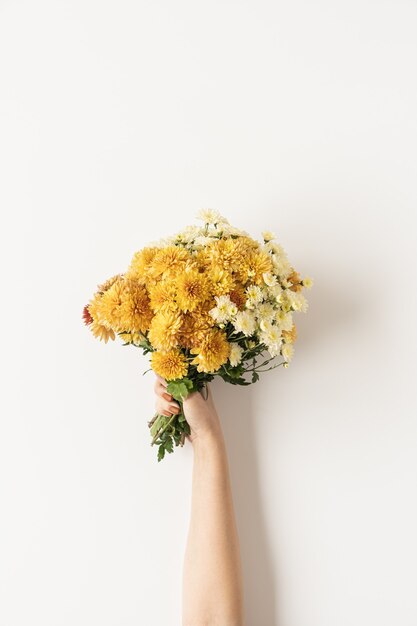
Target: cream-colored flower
225, 229
266, 325
274, 350
265, 311
245, 323
271, 337
268, 236
307, 282
275, 293
282, 266
297, 300
211, 216
269, 279
224, 311
166, 242
254, 296
273, 247
284, 319
235, 355
188, 235
201, 241
287, 351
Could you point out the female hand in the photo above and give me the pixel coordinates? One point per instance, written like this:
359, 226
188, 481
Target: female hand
201, 414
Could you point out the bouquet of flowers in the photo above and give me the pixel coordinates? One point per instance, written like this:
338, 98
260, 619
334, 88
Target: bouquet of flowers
208, 301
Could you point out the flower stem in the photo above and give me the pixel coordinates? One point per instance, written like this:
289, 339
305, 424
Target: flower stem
162, 430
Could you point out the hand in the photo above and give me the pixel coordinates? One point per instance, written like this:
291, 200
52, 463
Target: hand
201, 414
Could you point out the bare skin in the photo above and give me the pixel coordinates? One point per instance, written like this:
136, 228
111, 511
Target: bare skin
212, 577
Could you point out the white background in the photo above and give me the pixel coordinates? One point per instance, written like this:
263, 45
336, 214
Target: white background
118, 122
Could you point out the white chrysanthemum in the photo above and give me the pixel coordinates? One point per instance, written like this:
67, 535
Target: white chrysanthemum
210, 216
265, 311
297, 300
268, 236
271, 337
282, 266
303, 303
224, 311
254, 296
188, 234
308, 282
201, 241
163, 243
245, 323
275, 293
273, 247
235, 356
269, 279
284, 320
287, 351
266, 325
227, 230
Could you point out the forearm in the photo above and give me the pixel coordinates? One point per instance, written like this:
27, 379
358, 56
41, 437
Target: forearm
212, 585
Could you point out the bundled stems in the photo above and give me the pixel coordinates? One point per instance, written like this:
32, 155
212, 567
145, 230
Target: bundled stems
163, 429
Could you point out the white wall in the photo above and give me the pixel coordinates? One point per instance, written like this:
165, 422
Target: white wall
118, 122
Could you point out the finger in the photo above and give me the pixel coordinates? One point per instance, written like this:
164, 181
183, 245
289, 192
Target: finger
162, 393
167, 413
160, 390
163, 406
161, 380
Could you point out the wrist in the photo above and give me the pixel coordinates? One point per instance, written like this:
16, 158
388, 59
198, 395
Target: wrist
209, 440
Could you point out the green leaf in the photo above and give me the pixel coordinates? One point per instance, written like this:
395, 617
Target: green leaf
161, 452
169, 445
180, 388
255, 377
186, 428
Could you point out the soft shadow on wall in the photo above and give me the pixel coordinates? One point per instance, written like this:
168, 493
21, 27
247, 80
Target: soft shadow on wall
331, 309
235, 407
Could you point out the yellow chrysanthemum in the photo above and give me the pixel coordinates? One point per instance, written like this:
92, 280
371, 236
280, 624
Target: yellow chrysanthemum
165, 330
102, 332
107, 308
162, 295
192, 289
290, 336
170, 365
238, 296
93, 306
135, 311
195, 326
131, 337
221, 282
140, 265
108, 283
123, 307
228, 254
212, 352
169, 262
255, 266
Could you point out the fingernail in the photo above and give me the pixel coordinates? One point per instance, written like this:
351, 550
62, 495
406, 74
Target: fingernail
167, 396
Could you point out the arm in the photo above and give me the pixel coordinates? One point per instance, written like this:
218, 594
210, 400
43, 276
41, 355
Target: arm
212, 579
